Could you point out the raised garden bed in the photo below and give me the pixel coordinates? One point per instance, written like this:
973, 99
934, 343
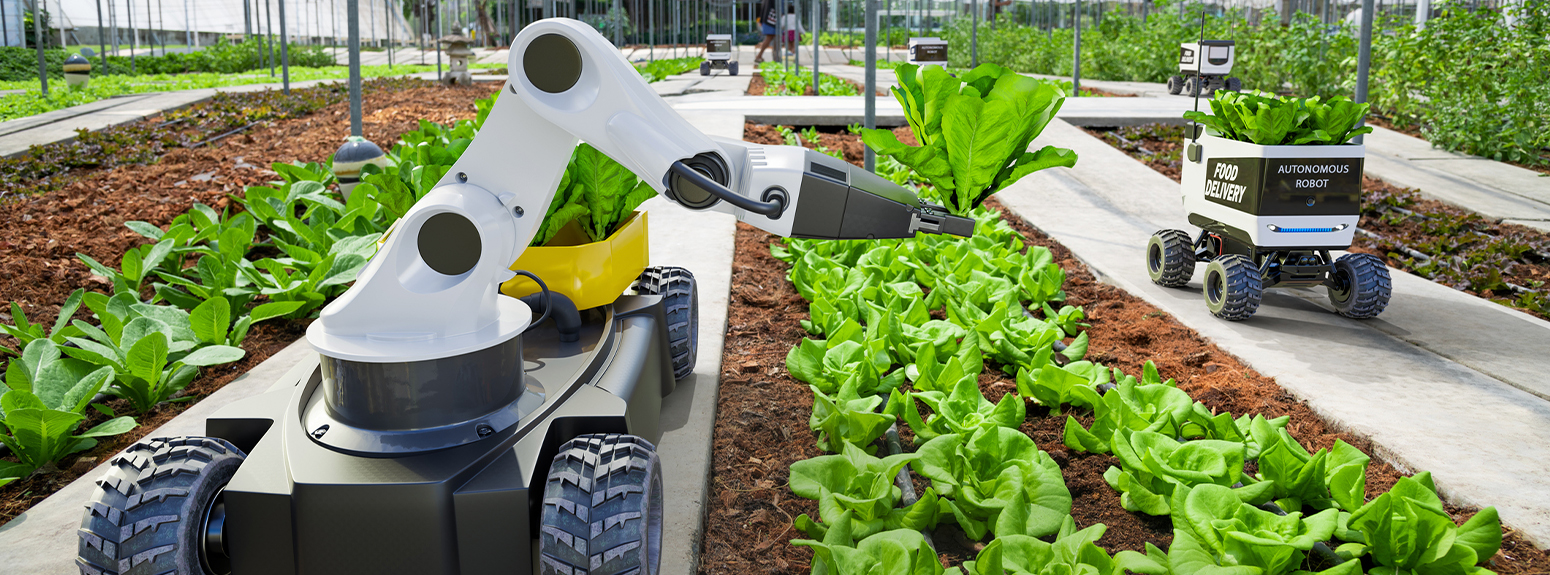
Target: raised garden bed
762, 415
154, 183
1505, 263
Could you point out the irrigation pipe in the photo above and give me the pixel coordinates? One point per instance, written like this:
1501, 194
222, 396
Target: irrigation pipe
906, 486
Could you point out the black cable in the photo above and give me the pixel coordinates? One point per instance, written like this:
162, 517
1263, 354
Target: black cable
772, 210
548, 304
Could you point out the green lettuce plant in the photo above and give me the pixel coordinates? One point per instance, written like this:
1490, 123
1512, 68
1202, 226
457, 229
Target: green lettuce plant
964, 411
1154, 467
311, 278
857, 490
597, 192
974, 131
827, 364
847, 417
1335, 477
1214, 531
997, 479
1054, 386
895, 552
137, 264
43, 407
1072, 552
1406, 531
151, 349
26, 332
1280, 121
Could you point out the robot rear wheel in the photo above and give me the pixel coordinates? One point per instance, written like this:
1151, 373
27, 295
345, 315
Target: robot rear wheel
1359, 286
704, 68
1175, 84
732, 68
602, 507
681, 301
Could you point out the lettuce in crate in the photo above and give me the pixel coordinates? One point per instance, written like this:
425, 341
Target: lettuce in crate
1283, 121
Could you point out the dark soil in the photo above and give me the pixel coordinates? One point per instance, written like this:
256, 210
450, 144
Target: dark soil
41, 234
762, 415
1505, 263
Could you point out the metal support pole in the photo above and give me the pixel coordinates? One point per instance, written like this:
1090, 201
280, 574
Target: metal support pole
1364, 59
269, 36
618, 32
5, 24
817, 32
353, 24
285, 55
102, 43
1423, 11
441, 30
387, 14
134, 34
37, 33
1076, 50
974, 33
871, 79
651, 16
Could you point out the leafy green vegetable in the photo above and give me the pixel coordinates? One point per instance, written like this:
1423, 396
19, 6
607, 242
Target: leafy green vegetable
597, 192
974, 132
896, 552
861, 487
1053, 385
964, 411
1072, 552
847, 417
1406, 530
151, 349
26, 332
1335, 477
1155, 467
997, 479
1273, 121
137, 265
43, 407
1215, 532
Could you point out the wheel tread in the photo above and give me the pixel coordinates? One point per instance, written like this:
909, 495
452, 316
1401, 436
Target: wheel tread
1178, 258
1242, 289
595, 532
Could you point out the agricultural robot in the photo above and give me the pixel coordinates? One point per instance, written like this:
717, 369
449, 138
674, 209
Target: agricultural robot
718, 54
445, 428
1203, 69
1269, 217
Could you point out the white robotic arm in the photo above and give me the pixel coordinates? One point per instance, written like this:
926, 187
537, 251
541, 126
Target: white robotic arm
431, 292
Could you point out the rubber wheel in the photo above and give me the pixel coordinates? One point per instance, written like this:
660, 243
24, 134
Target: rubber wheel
681, 300
1232, 287
602, 511
1360, 286
732, 68
1175, 85
149, 511
704, 68
1192, 86
1234, 85
1170, 258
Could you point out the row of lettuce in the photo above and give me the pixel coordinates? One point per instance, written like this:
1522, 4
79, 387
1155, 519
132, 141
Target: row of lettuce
1495, 110
189, 297
878, 355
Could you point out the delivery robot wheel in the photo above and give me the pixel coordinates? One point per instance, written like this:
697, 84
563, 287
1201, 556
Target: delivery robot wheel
1359, 286
1232, 287
602, 507
1170, 258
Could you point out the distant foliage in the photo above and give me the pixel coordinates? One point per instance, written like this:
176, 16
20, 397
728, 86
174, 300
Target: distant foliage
1468, 81
22, 63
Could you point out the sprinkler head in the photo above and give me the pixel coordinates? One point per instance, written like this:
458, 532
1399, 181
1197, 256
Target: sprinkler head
352, 157
77, 71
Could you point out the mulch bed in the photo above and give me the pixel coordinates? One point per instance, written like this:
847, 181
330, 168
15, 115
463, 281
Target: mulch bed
1473, 254
761, 421
41, 234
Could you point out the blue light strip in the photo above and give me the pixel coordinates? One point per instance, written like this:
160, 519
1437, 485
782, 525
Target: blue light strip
1303, 230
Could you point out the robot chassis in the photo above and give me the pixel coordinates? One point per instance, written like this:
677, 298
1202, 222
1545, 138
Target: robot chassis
435, 432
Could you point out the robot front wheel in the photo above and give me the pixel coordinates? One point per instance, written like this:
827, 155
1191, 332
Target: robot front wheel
1232, 287
158, 510
1175, 84
732, 68
1359, 286
602, 508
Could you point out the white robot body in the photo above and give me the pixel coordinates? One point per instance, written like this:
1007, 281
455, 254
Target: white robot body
1206, 58
928, 52
1275, 196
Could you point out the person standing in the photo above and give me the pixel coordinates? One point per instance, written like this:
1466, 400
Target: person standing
793, 27
767, 20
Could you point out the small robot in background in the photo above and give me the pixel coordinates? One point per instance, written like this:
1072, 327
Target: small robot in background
1203, 69
928, 51
718, 54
